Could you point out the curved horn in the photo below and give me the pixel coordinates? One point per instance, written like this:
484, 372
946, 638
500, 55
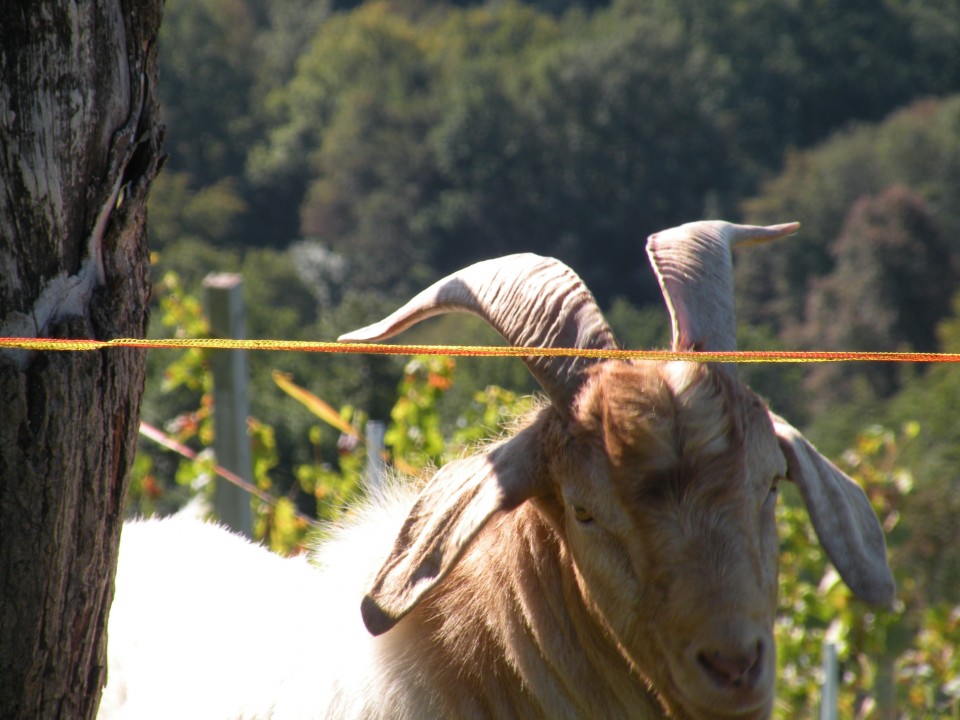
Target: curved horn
531, 301
693, 265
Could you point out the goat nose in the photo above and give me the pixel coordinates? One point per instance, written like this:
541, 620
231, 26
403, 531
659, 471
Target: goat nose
733, 670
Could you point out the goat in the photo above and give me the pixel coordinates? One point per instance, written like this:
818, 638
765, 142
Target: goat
615, 557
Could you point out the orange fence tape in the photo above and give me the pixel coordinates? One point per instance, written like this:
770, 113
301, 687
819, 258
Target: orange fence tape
739, 356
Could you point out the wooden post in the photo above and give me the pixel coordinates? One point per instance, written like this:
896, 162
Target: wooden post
231, 405
376, 468
885, 688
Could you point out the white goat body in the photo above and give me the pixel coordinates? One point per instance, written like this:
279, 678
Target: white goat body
207, 625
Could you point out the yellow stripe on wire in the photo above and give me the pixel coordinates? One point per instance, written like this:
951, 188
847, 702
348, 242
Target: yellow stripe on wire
738, 356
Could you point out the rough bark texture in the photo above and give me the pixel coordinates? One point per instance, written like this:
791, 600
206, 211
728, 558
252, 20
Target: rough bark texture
79, 144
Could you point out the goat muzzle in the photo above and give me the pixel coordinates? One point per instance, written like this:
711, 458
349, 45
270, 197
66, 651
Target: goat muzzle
730, 675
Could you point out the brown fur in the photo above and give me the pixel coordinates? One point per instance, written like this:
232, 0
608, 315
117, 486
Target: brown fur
546, 616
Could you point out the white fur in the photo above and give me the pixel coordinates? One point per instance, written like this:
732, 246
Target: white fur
208, 625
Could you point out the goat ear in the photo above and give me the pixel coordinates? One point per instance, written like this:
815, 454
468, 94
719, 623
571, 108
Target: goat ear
842, 517
453, 507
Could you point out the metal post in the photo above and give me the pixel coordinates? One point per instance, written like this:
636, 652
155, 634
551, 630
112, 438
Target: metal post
224, 300
376, 468
829, 697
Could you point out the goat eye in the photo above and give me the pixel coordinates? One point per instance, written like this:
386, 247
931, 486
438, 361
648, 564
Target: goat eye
582, 514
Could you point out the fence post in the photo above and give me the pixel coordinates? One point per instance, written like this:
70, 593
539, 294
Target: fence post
376, 468
829, 696
231, 406
885, 689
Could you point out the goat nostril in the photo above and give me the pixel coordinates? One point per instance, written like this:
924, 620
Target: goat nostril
733, 670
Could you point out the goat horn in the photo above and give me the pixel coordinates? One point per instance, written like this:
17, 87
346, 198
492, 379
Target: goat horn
530, 300
695, 270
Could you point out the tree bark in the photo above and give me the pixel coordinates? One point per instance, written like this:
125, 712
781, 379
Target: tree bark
79, 145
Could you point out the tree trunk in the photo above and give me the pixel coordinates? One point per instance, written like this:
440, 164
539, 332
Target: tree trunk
79, 145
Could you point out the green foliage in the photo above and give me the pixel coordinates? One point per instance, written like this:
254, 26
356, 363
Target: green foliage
802, 69
484, 418
415, 440
414, 432
180, 407
904, 658
934, 456
645, 328
365, 53
473, 374
282, 301
218, 60
543, 148
417, 432
496, 129
781, 385
929, 672
332, 466
422, 140
893, 276
278, 524
335, 481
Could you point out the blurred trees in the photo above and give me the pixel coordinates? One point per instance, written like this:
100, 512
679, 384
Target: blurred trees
219, 60
581, 149
412, 138
931, 400
206, 82
916, 148
891, 283
803, 69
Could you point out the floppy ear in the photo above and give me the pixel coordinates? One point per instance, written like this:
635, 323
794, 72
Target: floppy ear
453, 507
842, 517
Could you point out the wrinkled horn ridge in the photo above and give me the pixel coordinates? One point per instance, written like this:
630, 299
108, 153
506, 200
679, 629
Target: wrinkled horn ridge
532, 301
693, 265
